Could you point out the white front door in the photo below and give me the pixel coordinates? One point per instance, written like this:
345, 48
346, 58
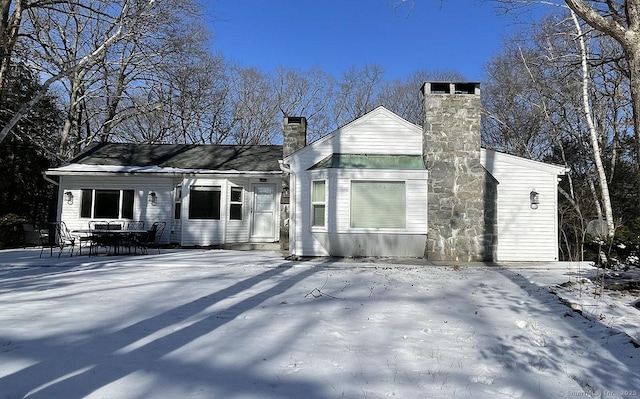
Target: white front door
263, 221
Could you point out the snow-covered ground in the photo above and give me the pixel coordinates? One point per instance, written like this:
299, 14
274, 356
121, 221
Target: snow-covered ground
225, 324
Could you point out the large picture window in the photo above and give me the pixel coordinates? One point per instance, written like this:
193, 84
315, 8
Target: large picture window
107, 204
204, 202
378, 204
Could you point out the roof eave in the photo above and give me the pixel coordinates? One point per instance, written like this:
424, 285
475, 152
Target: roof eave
155, 173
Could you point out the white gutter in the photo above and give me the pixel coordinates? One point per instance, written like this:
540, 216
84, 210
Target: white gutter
180, 173
50, 180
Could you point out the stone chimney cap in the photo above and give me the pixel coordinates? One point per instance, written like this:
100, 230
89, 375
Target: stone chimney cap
295, 119
451, 88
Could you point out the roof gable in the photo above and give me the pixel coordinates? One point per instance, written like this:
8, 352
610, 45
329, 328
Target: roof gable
379, 132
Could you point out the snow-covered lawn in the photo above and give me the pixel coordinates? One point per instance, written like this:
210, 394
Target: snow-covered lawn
225, 324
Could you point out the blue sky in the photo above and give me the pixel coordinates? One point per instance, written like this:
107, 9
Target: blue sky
458, 35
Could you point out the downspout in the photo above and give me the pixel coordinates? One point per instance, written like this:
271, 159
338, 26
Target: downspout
284, 167
287, 175
59, 202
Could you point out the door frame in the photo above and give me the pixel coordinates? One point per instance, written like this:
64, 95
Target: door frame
274, 235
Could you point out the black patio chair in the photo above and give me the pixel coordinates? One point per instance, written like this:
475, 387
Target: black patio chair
59, 236
151, 238
34, 236
129, 240
135, 225
88, 240
97, 238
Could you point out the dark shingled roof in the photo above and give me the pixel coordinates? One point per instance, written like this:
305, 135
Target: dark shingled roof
258, 158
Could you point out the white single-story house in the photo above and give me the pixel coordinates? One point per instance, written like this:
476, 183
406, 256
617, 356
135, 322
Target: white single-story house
206, 194
378, 186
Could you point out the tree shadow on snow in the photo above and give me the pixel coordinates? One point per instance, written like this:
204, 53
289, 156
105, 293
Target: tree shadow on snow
599, 358
76, 370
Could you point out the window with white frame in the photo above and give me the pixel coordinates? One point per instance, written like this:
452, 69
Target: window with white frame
378, 204
106, 204
177, 201
318, 203
235, 203
204, 202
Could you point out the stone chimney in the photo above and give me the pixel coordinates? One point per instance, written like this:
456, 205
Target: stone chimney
294, 137
461, 193
294, 134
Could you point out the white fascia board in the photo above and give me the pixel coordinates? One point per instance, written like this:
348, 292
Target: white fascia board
485, 155
105, 170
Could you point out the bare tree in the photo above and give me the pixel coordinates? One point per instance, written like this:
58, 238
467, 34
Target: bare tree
402, 96
517, 117
356, 93
254, 108
10, 21
307, 94
572, 84
619, 20
595, 144
75, 57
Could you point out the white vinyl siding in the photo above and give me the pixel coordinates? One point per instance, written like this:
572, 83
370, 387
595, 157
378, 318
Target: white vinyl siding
378, 132
185, 231
525, 234
142, 208
237, 230
307, 242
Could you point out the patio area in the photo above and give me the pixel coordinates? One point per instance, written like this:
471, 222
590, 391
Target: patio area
247, 324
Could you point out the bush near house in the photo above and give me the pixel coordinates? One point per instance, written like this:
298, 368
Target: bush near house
622, 252
626, 244
25, 196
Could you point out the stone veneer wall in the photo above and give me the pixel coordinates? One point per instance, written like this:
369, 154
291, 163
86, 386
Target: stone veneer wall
294, 137
461, 193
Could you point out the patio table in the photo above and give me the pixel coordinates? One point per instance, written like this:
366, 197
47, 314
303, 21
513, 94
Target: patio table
114, 236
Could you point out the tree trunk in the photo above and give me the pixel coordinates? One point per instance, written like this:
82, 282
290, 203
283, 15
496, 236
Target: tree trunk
595, 144
629, 38
9, 27
633, 58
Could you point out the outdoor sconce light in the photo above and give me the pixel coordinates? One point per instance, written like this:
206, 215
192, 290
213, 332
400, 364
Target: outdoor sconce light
285, 191
68, 196
534, 198
153, 198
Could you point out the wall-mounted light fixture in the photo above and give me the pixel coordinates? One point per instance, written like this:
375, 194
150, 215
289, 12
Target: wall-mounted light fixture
68, 196
153, 198
285, 191
534, 199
